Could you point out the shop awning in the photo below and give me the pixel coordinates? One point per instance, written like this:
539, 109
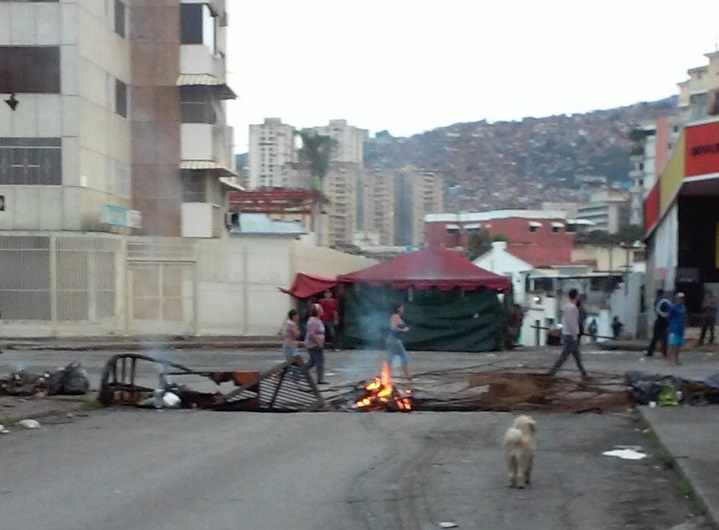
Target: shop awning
221, 89
307, 285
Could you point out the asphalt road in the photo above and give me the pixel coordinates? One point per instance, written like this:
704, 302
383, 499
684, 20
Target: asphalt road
183, 470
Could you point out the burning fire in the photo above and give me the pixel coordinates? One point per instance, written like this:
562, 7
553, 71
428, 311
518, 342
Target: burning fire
381, 392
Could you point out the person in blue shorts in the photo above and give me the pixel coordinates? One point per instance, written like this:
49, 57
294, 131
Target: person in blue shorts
677, 321
395, 345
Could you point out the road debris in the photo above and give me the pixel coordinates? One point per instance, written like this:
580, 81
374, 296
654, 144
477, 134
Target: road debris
3, 429
71, 380
626, 453
448, 524
29, 424
288, 387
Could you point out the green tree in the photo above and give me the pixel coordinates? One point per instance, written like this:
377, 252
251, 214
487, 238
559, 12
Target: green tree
479, 243
316, 151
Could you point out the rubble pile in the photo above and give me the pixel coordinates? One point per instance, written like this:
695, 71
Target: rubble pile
69, 381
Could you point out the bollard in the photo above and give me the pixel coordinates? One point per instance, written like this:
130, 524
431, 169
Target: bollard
537, 333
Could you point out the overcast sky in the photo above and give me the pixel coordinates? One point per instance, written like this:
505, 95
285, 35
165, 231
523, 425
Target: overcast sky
413, 65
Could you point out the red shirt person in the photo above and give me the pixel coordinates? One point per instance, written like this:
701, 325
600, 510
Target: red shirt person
330, 317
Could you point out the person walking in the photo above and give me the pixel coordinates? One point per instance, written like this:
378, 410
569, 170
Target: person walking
593, 329
677, 323
395, 345
315, 343
570, 333
330, 318
292, 335
661, 321
709, 312
617, 328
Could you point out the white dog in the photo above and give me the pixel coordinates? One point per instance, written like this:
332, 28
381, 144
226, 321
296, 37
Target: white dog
519, 446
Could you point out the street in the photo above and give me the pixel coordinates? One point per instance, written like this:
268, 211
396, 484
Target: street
174, 469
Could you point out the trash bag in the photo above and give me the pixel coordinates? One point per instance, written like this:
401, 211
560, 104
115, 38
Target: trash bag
668, 396
643, 388
70, 381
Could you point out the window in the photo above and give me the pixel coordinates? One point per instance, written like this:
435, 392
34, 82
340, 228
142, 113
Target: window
196, 106
641, 166
193, 186
533, 228
31, 161
120, 98
198, 25
30, 69
120, 18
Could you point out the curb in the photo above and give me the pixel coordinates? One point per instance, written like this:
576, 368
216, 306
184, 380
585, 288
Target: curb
710, 512
135, 346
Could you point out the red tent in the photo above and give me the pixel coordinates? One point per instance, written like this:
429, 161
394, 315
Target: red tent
306, 285
430, 267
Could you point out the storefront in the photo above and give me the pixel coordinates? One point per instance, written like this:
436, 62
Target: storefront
682, 217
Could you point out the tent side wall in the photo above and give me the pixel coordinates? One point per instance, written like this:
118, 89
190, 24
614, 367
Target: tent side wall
457, 320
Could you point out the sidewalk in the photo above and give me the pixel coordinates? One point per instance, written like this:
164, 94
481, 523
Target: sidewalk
690, 434
139, 343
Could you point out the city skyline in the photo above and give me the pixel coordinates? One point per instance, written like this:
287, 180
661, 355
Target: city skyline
457, 61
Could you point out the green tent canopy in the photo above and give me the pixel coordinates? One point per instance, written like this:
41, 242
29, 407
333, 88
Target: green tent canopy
451, 304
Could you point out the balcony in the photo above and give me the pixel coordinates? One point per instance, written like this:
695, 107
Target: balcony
197, 59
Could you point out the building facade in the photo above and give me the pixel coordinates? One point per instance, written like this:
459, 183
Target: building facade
339, 221
418, 193
272, 146
349, 141
608, 210
376, 208
119, 117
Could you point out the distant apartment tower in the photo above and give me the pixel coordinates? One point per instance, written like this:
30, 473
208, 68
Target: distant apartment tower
608, 210
417, 194
376, 207
340, 188
349, 141
120, 119
272, 145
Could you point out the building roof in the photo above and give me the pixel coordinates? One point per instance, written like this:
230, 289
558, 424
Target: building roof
493, 215
261, 224
540, 255
429, 267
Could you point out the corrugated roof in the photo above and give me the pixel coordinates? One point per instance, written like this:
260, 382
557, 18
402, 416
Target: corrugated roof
258, 223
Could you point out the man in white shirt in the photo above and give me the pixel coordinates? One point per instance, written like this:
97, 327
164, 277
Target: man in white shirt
570, 333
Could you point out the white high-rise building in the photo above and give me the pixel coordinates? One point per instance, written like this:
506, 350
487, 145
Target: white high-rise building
349, 141
272, 145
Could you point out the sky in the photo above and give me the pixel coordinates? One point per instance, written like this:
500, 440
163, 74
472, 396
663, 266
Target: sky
412, 65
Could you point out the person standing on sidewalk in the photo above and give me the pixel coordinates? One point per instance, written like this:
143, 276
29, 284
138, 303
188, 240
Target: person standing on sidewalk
661, 321
570, 334
292, 335
677, 323
709, 312
315, 343
330, 317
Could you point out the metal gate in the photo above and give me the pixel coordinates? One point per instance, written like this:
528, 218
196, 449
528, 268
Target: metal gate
162, 297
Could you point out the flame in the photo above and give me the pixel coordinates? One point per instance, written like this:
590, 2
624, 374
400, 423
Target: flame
382, 392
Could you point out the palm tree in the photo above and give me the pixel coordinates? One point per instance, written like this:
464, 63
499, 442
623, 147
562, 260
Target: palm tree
316, 151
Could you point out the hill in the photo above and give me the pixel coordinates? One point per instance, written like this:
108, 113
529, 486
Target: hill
519, 164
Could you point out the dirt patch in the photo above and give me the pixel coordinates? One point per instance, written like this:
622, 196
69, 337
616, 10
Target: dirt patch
520, 391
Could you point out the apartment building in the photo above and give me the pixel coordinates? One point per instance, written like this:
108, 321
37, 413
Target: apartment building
417, 194
699, 94
117, 122
608, 210
272, 146
349, 141
376, 208
340, 187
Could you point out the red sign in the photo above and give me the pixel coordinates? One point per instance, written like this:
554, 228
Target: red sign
651, 209
702, 150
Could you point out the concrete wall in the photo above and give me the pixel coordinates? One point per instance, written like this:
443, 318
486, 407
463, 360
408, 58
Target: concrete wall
100, 284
